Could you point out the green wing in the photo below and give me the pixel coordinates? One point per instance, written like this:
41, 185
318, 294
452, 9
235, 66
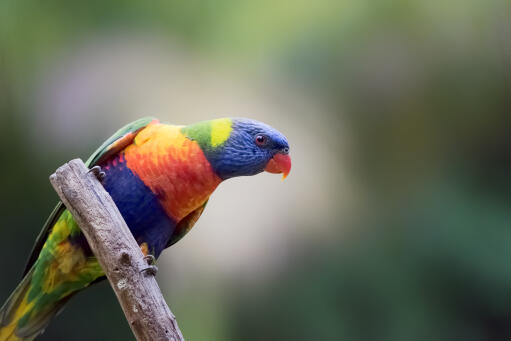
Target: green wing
118, 141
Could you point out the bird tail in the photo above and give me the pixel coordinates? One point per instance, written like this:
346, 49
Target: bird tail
21, 318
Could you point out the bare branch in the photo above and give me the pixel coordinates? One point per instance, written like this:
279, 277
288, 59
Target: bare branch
117, 252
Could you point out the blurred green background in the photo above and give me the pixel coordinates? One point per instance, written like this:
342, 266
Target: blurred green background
395, 223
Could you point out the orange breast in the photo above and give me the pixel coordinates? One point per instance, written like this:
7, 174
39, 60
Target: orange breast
173, 167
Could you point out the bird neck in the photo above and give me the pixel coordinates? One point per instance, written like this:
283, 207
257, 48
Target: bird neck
173, 167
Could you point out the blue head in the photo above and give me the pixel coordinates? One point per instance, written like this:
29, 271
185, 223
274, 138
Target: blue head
241, 147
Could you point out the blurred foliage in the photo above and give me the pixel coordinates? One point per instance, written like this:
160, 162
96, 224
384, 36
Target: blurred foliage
422, 90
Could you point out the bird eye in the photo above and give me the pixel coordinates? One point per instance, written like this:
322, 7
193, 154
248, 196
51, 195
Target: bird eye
261, 140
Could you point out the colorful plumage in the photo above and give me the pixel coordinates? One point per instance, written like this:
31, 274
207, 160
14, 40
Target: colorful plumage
160, 177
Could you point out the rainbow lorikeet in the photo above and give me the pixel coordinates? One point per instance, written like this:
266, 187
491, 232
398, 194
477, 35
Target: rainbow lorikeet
160, 177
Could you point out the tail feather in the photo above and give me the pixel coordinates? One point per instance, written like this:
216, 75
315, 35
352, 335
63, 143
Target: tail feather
14, 300
19, 321
13, 308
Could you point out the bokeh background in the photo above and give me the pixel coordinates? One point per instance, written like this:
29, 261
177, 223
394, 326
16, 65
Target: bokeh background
395, 223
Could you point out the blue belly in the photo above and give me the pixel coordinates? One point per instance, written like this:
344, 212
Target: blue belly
139, 206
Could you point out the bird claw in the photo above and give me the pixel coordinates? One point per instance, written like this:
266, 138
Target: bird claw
96, 170
150, 259
151, 269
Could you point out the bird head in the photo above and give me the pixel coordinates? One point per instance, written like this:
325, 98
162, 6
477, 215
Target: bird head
241, 147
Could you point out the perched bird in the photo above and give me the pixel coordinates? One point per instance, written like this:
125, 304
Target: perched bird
160, 177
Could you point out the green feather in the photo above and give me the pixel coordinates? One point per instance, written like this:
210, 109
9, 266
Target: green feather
209, 134
199, 132
36, 305
98, 154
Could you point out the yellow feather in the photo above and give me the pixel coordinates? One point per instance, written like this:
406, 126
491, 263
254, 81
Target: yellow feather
220, 131
7, 332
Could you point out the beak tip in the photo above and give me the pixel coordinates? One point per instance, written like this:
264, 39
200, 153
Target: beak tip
279, 164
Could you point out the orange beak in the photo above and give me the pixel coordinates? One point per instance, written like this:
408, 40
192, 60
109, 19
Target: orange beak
280, 163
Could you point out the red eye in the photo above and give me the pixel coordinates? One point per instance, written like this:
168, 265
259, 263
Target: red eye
261, 140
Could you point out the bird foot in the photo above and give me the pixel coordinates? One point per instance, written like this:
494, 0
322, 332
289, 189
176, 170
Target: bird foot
96, 170
151, 269
150, 259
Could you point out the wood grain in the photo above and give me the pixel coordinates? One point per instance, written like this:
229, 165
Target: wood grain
117, 252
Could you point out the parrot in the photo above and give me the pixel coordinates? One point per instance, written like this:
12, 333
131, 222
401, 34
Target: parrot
160, 177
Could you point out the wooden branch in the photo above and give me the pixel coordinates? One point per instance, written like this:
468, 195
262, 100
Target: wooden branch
117, 251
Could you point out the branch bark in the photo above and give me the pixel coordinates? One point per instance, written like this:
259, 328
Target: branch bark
117, 252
